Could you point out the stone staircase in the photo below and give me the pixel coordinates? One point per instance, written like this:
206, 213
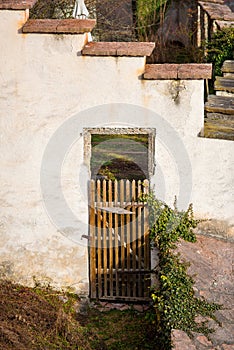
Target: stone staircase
219, 109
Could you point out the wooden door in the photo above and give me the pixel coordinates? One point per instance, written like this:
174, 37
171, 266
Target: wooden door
119, 250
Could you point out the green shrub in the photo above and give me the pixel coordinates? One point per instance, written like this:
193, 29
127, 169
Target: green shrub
149, 14
174, 300
220, 48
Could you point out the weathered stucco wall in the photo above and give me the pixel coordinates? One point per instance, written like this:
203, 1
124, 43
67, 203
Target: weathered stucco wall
47, 85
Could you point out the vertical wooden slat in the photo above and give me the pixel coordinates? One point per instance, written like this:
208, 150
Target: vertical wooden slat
199, 40
99, 240
133, 226
139, 234
117, 244
128, 239
92, 247
104, 238
206, 26
122, 241
146, 228
146, 241
110, 223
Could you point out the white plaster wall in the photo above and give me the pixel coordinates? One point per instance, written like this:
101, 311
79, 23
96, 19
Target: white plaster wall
30, 244
44, 82
213, 178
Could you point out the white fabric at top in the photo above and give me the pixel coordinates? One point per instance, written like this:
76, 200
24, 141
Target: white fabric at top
80, 10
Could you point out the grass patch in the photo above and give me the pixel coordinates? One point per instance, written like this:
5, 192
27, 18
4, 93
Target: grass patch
120, 156
120, 330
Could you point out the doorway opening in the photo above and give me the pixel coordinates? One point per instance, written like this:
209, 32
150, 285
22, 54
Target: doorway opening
119, 249
120, 153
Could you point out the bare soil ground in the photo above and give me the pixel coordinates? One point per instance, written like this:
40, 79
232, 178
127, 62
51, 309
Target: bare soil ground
41, 318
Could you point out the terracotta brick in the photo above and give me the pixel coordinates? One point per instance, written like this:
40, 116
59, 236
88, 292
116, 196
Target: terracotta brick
118, 49
161, 71
16, 4
195, 71
59, 26
178, 71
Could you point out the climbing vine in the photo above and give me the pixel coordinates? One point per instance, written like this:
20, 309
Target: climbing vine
174, 300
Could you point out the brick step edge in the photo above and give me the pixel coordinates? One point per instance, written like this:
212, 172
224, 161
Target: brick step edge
59, 26
16, 4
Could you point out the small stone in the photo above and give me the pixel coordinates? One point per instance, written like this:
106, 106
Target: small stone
63, 298
228, 346
181, 341
111, 306
204, 294
116, 305
203, 340
103, 303
200, 319
138, 308
146, 307
124, 307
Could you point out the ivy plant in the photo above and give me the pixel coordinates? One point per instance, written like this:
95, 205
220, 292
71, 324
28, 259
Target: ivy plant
174, 300
220, 48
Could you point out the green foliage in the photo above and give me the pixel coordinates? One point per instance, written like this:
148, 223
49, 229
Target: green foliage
149, 15
220, 48
121, 330
175, 303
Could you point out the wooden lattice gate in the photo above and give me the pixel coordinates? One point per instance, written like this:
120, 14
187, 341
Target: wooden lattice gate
119, 253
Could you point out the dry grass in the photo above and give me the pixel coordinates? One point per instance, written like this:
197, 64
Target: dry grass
41, 318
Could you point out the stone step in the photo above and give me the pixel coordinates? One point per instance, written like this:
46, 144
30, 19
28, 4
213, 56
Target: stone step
229, 118
228, 75
224, 24
224, 93
228, 66
224, 84
220, 104
218, 129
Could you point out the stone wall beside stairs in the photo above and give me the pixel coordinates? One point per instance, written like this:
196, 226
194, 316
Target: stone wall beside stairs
219, 118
